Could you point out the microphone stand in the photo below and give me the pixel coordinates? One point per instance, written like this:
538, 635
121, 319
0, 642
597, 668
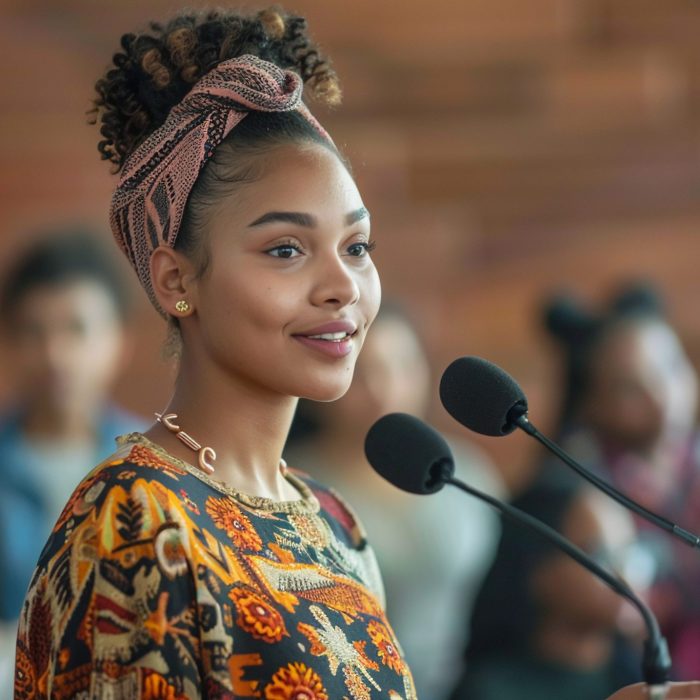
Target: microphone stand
656, 662
521, 421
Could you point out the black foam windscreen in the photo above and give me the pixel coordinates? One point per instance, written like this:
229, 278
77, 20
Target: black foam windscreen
482, 396
408, 453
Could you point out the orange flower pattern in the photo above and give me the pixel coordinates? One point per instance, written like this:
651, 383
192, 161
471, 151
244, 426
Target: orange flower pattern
230, 518
158, 584
295, 682
386, 646
258, 617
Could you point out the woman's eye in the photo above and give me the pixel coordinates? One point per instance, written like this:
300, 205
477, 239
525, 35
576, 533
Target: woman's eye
284, 251
361, 249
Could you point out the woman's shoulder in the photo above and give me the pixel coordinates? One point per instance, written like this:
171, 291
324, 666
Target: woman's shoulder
136, 457
134, 460
137, 478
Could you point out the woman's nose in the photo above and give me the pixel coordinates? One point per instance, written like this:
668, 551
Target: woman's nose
336, 284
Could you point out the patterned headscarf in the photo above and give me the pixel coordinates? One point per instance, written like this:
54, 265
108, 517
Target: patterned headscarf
149, 202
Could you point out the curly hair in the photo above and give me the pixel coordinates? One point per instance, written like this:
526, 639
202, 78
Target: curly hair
156, 69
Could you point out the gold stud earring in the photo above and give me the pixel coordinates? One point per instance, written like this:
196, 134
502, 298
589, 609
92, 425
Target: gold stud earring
182, 306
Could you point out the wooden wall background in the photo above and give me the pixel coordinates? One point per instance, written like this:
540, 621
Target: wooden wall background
506, 148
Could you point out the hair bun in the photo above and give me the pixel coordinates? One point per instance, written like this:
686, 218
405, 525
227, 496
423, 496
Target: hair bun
567, 320
156, 69
637, 298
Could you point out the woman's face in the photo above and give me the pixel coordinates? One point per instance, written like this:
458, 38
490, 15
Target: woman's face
643, 387
290, 289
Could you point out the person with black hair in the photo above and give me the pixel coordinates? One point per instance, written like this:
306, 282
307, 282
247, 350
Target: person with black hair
629, 412
64, 307
193, 563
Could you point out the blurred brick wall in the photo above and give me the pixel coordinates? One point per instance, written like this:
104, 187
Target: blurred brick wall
505, 148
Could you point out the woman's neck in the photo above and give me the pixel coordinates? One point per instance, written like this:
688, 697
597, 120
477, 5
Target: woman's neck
245, 424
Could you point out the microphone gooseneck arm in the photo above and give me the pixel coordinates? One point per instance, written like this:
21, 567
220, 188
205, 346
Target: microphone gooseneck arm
485, 398
656, 662
521, 421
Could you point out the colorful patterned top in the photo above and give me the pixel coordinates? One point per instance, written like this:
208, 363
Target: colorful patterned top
158, 582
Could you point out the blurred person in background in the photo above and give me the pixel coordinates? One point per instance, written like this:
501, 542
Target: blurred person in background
432, 551
63, 313
542, 626
629, 412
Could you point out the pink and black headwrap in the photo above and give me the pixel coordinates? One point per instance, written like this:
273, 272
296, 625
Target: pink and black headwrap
156, 180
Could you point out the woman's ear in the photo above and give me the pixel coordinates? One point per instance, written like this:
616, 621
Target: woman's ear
174, 280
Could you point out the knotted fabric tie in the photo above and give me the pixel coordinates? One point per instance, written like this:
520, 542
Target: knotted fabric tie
156, 180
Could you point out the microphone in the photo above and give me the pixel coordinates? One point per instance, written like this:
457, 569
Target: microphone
412, 456
486, 399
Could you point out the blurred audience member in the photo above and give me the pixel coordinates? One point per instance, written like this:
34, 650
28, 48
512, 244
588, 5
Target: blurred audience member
542, 626
433, 551
63, 312
629, 412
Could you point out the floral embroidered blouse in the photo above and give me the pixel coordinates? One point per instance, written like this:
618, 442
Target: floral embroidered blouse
159, 582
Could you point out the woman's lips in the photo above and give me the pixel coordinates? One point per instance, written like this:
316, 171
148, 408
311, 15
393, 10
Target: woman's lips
334, 338
336, 348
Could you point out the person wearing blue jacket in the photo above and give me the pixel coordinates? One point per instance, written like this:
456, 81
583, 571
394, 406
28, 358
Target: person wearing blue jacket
64, 309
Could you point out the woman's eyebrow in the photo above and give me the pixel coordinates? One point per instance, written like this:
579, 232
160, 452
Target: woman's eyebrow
357, 215
305, 220
290, 217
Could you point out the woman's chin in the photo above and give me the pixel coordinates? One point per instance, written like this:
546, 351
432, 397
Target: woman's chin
325, 392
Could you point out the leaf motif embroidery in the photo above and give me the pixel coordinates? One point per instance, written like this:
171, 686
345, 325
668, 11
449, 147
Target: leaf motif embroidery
60, 580
130, 517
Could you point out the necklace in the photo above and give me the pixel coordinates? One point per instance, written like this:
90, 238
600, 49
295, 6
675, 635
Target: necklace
206, 456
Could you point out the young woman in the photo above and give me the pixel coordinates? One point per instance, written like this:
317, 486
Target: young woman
193, 563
